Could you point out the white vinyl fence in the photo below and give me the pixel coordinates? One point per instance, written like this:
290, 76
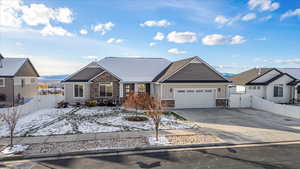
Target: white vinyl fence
240, 100
37, 103
245, 100
281, 109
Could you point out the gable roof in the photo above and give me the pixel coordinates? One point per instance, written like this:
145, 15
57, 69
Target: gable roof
186, 70
10, 66
249, 75
134, 69
271, 80
85, 74
295, 72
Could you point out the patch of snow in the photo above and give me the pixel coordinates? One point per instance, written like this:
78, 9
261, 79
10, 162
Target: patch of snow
33, 120
87, 127
61, 127
162, 140
14, 150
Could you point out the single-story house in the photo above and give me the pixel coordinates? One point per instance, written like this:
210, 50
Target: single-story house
187, 83
18, 81
279, 85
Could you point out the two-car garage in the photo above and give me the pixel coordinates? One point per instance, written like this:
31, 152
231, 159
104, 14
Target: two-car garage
195, 97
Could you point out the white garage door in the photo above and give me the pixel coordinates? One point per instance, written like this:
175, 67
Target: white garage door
195, 98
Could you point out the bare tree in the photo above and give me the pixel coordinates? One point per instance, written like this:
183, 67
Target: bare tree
11, 118
156, 110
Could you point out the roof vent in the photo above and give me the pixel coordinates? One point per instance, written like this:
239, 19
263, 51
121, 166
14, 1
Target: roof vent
259, 71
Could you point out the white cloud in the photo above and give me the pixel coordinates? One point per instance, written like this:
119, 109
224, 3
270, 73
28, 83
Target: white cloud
249, 16
221, 19
159, 36
13, 13
90, 57
176, 51
19, 44
104, 28
263, 5
182, 37
113, 40
152, 44
218, 39
266, 18
154, 23
110, 40
52, 31
9, 13
287, 61
119, 40
290, 13
262, 39
64, 15
83, 32
237, 39
214, 39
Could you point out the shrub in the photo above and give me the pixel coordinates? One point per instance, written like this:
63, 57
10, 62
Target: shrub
92, 103
136, 118
62, 104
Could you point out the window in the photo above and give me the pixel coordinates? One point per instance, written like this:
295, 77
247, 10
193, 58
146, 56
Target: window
106, 89
181, 91
208, 91
298, 90
32, 80
258, 87
250, 87
254, 87
141, 88
128, 89
78, 90
22, 83
2, 82
278, 90
190, 91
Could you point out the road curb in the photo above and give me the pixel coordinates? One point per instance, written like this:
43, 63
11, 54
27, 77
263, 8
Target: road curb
132, 150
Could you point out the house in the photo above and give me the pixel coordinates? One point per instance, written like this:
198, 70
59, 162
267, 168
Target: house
18, 81
279, 85
187, 83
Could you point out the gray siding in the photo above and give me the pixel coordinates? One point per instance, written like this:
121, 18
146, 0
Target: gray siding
27, 70
69, 93
196, 72
7, 91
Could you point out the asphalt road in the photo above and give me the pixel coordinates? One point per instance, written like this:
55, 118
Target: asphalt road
267, 157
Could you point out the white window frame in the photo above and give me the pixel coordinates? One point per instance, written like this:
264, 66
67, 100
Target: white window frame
112, 92
3, 82
83, 89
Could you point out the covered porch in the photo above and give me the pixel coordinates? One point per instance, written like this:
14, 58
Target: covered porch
296, 93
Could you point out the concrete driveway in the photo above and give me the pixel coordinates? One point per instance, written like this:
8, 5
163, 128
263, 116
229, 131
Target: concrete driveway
244, 125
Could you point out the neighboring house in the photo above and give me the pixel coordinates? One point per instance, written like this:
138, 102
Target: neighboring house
279, 85
187, 83
18, 81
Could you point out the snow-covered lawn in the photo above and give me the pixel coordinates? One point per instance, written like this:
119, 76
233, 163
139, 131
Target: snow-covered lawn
86, 120
14, 150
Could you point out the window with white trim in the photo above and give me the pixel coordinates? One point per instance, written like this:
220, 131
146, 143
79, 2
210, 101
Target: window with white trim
106, 89
278, 90
141, 88
78, 90
2, 82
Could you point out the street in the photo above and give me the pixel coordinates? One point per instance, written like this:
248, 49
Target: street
257, 157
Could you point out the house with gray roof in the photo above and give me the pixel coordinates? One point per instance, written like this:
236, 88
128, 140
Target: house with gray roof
279, 85
186, 83
18, 81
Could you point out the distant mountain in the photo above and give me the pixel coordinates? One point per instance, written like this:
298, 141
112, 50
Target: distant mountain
53, 78
228, 74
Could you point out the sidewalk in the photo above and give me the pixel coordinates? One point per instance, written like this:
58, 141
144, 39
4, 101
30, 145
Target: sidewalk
58, 145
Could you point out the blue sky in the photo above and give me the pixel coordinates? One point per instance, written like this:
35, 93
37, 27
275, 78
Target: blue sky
60, 37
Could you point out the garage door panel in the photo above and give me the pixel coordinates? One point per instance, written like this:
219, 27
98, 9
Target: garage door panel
195, 98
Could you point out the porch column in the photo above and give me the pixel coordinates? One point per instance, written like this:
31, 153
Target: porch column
121, 90
296, 93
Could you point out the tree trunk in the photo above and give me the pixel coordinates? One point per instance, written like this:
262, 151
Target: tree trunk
156, 131
11, 139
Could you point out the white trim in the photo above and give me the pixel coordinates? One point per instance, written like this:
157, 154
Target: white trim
83, 92
3, 82
97, 76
